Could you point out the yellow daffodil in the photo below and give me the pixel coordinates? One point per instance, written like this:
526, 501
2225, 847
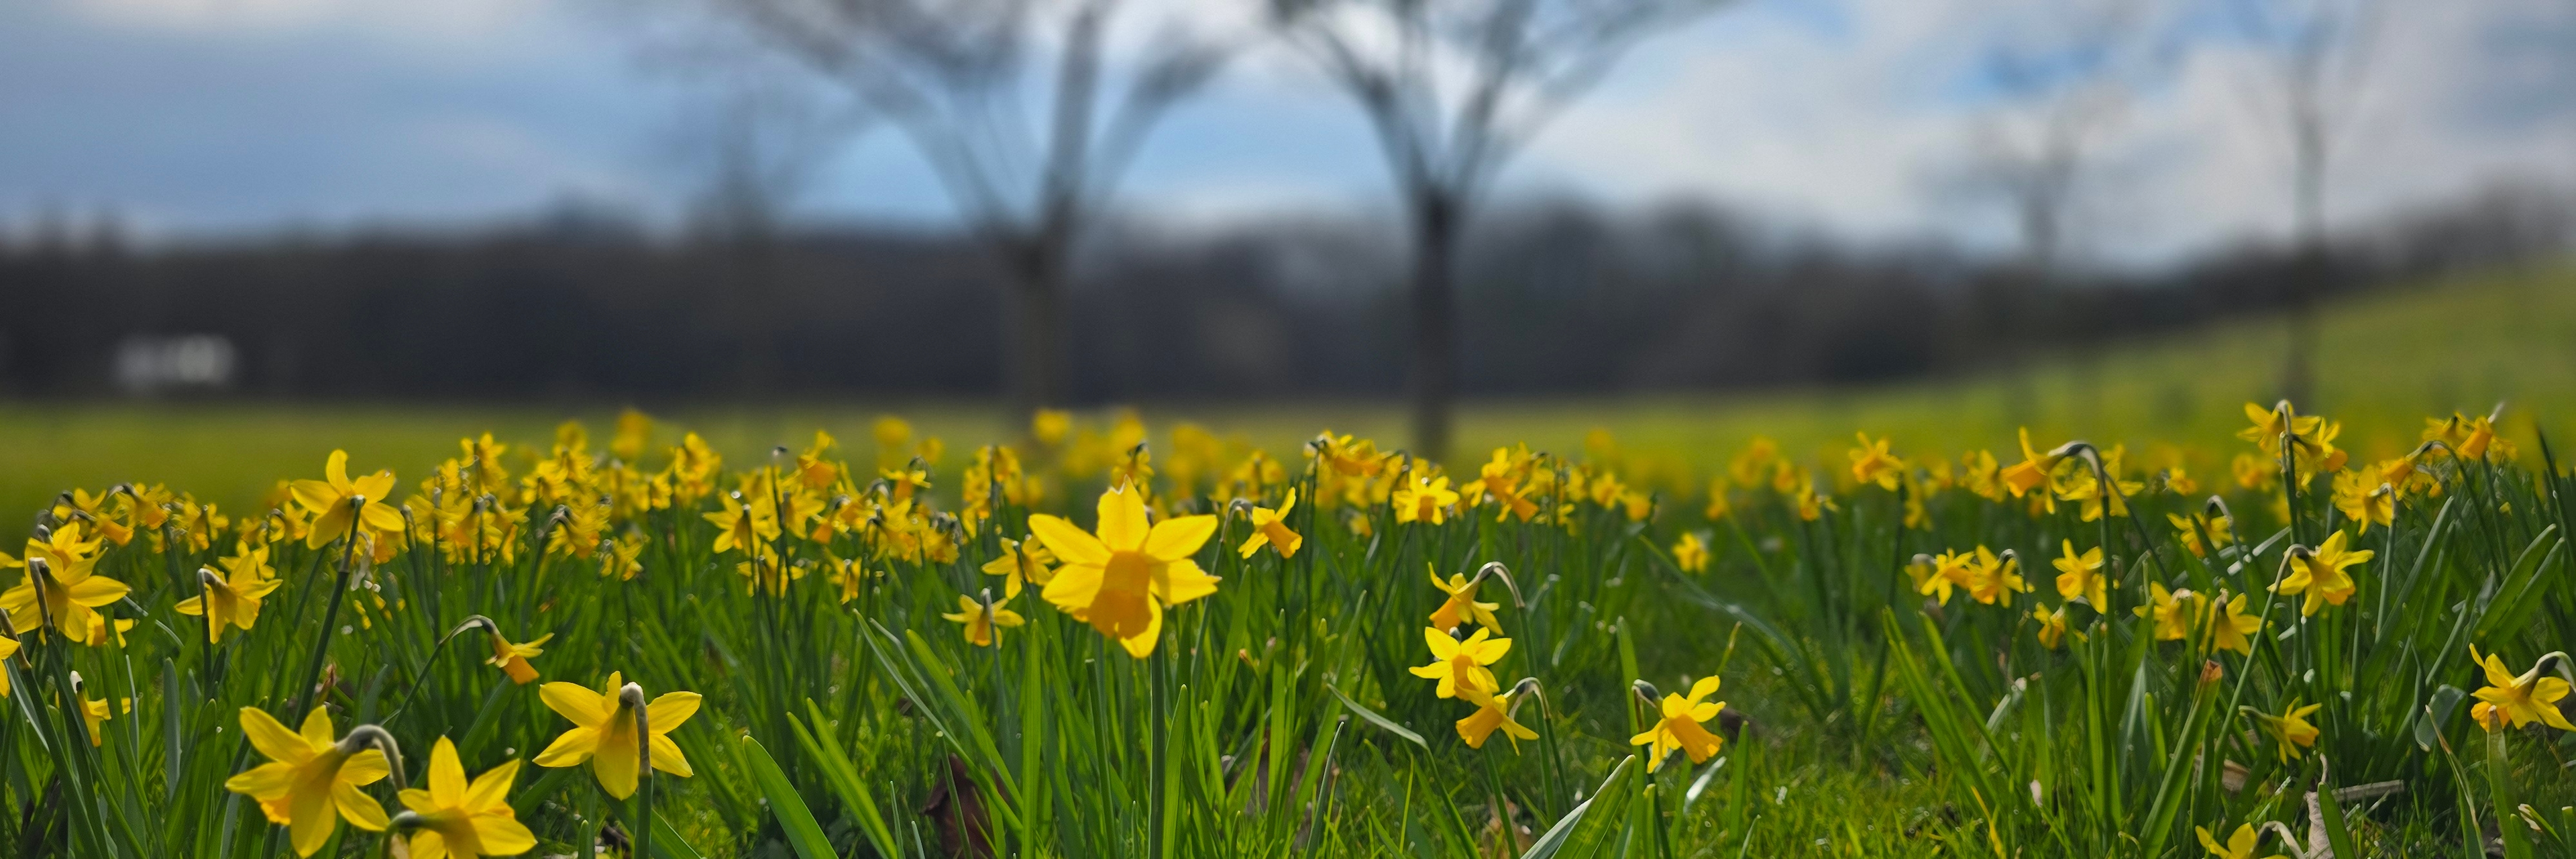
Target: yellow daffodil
603, 732
1718, 505
1461, 664
2033, 469
1691, 553
2525, 699
513, 658
743, 527
2269, 425
2171, 611
95, 712
2179, 482
1947, 571
1049, 425
623, 559
2098, 494
1121, 580
8, 648
2052, 625
2235, 629
2471, 438
2291, 729
2238, 846
1493, 711
2320, 574
64, 583
980, 620
2079, 576
1023, 562
454, 817
311, 782
339, 505
1461, 605
1680, 727
2365, 497
2190, 529
234, 599
1270, 528
1871, 463
1425, 499
1992, 579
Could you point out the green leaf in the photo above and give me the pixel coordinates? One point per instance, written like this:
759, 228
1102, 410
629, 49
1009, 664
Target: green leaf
2437, 712
842, 777
1378, 719
1611, 800
668, 844
802, 832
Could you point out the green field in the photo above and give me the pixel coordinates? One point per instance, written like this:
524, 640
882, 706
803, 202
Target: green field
2386, 361
1067, 654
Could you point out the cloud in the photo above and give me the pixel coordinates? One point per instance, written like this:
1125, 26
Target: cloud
1843, 126
408, 20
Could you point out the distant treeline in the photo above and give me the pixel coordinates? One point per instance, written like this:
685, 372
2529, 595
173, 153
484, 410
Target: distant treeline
1558, 298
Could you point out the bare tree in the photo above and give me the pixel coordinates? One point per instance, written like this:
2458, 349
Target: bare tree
2062, 76
955, 76
758, 141
1453, 89
2316, 53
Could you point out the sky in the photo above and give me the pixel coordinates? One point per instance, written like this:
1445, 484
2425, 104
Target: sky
1872, 119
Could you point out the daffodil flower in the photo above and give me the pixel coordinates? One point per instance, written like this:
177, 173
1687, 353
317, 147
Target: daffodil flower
1023, 562
2238, 846
2234, 629
1121, 580
228, 601
2079, 576
339, 505
1461, 664
2320, 574
1691, 553
979, 619
1270, 528
742, 527
2032, 471
1461, 606
311, 782
1943, 575
2290, 729
2191, 528
1871, 463
1493, 712
453, 817
1680, 726
2052, 626
2171, 611
513, 658
59, 575
1993, 579
2524, 699
603, 731
1424, 499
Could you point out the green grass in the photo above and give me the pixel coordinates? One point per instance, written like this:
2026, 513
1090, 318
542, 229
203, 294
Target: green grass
2385, 362
1278, 716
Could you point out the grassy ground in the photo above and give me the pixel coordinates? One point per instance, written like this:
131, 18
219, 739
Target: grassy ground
2384, 362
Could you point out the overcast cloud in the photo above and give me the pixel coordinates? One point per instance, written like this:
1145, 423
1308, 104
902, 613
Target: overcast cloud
190, 117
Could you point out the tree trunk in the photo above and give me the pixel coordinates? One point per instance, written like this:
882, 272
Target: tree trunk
1033, 368
1434, 378
2308, 273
